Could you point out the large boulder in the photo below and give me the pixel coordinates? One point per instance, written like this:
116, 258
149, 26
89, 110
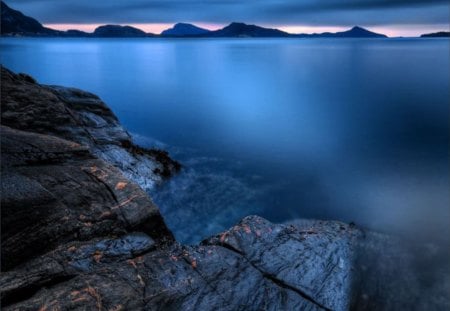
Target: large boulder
81, 117
134, 273
54, 191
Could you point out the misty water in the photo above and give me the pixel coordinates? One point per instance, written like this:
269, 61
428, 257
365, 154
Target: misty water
349, 129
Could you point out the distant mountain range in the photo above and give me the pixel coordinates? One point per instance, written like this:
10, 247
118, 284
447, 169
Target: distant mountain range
244, 30
14, 23
355, 32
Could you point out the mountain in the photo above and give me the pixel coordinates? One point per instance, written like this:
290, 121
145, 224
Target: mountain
244, 30
111, 31
441, 34
184, 30
358, 32
15, 23
355, 32
76, 33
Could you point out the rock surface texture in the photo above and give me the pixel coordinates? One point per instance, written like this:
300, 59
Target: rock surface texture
78, 233
81, 117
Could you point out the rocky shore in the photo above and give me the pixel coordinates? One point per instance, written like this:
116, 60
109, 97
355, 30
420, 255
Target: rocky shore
80, 117
79, 232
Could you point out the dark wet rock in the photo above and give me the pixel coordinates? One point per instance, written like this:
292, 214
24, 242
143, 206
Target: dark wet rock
82, 117
55, 191
208, 277
320, 270
69, 260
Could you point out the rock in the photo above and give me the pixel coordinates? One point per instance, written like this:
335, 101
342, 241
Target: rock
55, 191
105, 275
80, 117
314, 261
63, 263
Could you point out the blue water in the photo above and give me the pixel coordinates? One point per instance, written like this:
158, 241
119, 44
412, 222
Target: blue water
348, 129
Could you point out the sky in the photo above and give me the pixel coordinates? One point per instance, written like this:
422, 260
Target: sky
392, 17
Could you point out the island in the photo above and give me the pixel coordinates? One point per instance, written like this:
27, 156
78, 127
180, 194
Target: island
440, 34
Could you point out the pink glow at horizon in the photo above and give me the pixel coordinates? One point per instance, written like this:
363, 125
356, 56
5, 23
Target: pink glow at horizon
155, 28
407, 30
389, 30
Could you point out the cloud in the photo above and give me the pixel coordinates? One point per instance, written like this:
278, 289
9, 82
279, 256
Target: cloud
277, 12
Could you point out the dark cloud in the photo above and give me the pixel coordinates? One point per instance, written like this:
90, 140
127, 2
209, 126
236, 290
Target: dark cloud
312, 12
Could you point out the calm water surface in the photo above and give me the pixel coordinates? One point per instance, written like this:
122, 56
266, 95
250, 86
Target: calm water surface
354, 130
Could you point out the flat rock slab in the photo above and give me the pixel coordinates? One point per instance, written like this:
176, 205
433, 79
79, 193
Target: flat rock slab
133, 274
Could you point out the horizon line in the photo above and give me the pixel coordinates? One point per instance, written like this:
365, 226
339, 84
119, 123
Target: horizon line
158, 28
